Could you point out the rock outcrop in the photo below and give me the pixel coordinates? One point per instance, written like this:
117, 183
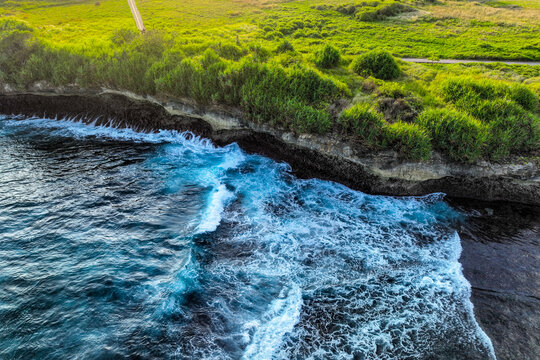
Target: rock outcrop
326, 157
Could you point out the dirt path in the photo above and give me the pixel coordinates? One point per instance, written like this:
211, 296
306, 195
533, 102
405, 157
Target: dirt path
136, 15
456, 61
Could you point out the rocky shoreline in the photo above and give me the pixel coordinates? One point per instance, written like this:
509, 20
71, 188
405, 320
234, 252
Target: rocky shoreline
500, 265
325, 157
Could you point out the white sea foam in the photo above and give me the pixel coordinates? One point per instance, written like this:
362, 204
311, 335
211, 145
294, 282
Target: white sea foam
212, 215
73, 128
280, 318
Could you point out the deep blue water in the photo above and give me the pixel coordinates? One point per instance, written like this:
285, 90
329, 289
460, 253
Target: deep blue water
116, 244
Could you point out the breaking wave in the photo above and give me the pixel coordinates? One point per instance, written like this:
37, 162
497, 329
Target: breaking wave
164, 245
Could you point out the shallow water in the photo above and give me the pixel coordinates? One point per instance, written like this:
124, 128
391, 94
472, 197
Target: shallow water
116, 244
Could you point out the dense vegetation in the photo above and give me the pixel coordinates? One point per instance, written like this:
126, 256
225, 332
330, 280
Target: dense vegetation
323, 68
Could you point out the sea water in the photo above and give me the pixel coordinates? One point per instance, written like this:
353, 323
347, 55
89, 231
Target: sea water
118, 244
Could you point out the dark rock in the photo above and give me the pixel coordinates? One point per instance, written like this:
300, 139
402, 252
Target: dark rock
500, 258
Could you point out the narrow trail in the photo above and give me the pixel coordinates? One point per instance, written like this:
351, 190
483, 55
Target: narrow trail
136, 15
457, 61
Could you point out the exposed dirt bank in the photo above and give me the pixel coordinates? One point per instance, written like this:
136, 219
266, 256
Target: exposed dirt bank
326, 157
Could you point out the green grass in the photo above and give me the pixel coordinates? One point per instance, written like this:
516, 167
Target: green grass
456, 134
363, 122
291, 64
411, 140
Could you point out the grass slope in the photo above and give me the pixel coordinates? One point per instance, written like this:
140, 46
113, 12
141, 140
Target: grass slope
299, 64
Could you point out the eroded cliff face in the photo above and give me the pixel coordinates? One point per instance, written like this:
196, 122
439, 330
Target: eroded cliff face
326, 157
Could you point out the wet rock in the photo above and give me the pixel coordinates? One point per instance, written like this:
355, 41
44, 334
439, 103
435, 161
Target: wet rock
500, 260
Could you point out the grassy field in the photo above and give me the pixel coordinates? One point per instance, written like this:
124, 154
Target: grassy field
438, 29
299, 64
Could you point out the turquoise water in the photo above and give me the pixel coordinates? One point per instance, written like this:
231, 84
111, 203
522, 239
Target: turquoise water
117, 244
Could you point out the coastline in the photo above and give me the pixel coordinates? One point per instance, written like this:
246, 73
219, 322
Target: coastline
502, 308
325, 157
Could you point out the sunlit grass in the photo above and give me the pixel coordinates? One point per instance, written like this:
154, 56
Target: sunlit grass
266, 58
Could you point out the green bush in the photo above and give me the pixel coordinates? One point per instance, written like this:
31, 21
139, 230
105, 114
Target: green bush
510, 128
524, 97
127, 71
171, 58
311, 86
512, 134
363, 122
384, 12
307, 119
469, 90
58, 67
182, 80
379, 64
151, 44
284, 46
290, 114
273, 35
235, 76
16, 47
408, 139
392, 90
328, 57
260, 53
502, 107
230, 52
468, 93
123, 36
456, 134
488, 110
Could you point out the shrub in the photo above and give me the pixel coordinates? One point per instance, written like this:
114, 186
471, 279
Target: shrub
379, 64
488, 110
127, 71
408, 139
311, 86
151, 44
524, 97
230, 52
467, 92
284, 46
392, 90
171, 59
346, 9
182, 80
273, 35
307, 119
292, 114
56, 66
362, 121
384, 12
328, 57
7, 25
454, 133
470, 91
123, 36
16, 47
260, 53
511, 134
235, 76
510, 127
